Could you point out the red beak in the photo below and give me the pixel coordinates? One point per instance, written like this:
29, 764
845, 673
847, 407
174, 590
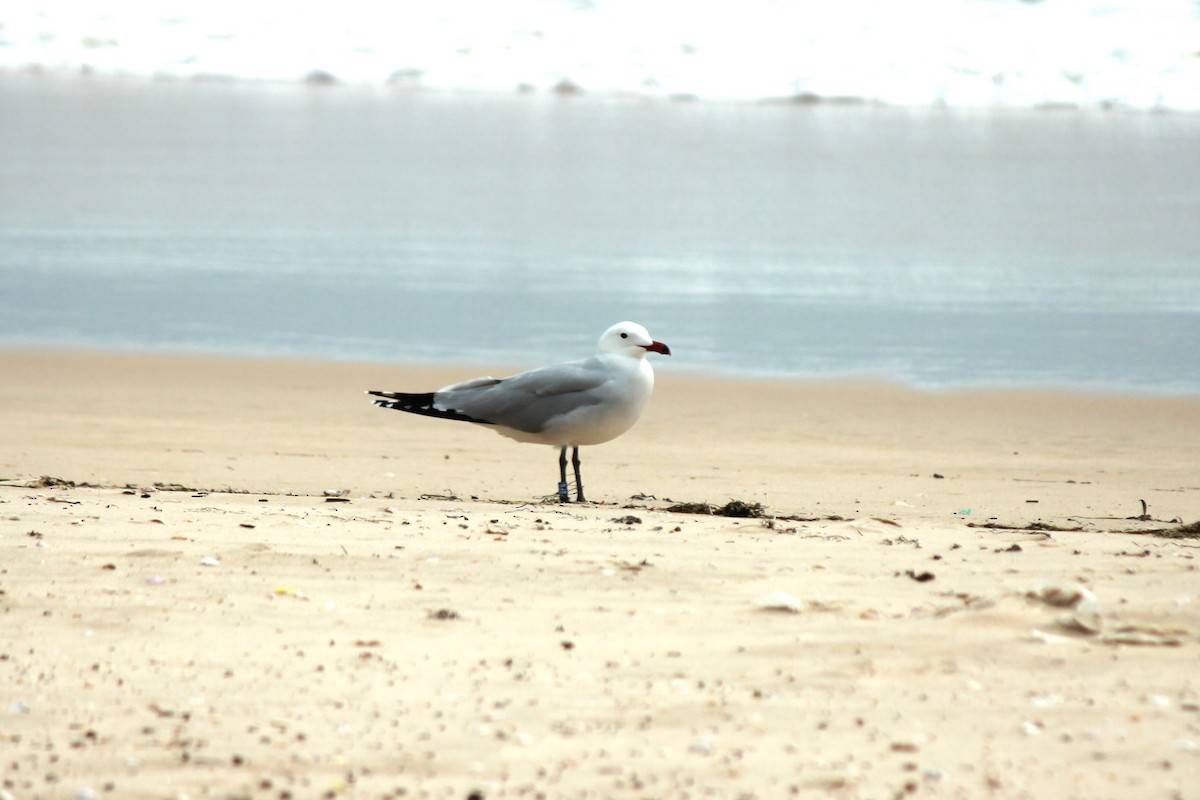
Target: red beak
658, 347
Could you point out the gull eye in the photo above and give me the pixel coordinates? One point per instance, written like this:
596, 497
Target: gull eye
624, 335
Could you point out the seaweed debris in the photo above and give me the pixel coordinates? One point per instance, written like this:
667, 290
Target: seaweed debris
734, 508
1035, 527
51, 482
1189, 531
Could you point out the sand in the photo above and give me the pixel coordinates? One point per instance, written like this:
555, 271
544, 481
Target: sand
196, 618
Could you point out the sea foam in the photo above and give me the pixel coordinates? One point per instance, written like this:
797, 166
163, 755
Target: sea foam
1133, 54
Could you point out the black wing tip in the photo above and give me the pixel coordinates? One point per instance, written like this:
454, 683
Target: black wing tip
400, 395
414, 398
417, 403
420, 404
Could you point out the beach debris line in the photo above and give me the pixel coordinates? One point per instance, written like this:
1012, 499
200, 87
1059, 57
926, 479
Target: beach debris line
1146, 516
734, 508
198, 492
1032, 527
448, 496
741, 509
1189, 531
51, 482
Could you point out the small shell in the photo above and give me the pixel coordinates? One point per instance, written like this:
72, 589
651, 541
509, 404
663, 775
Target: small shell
778, 601
1085, 611
1086, 614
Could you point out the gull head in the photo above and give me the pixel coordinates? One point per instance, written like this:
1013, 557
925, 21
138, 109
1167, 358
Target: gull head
631, 339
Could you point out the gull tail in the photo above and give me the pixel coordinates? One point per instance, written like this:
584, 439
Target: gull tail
422, 403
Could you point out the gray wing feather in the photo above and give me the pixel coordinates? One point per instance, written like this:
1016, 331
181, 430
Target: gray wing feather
526, 402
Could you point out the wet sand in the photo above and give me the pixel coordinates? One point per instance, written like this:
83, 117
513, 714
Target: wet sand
196, 617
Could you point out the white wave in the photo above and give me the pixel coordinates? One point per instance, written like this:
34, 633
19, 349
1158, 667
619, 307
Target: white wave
1138, 54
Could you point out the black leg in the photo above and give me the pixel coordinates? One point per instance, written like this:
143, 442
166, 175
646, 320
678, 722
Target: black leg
563, 497
578, 480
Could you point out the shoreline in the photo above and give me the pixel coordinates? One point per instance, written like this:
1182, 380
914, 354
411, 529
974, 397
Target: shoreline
471, 368
275, 418
316, 82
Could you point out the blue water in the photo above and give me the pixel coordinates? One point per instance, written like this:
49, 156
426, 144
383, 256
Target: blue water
935, 248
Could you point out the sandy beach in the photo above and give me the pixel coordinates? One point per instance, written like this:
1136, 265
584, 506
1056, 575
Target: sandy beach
227, 578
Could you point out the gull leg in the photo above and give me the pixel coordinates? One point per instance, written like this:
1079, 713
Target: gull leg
578, 480
563, 497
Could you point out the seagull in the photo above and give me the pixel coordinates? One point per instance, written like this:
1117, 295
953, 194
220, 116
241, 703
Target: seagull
573, 404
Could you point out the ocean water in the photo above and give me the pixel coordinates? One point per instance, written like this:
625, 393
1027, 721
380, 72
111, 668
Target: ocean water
936, 247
